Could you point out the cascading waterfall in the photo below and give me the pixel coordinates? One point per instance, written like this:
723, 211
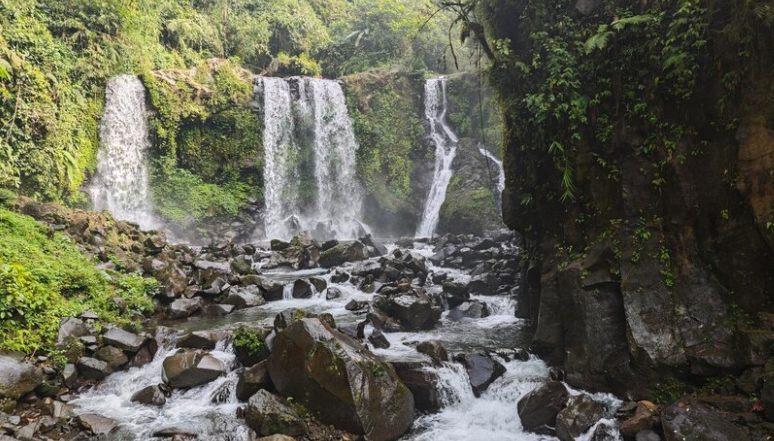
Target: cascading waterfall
120, 184
501, 174
307, 117
445, 150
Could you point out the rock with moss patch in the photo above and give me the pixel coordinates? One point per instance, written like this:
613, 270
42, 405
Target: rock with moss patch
17, 377
336, 377
269, 414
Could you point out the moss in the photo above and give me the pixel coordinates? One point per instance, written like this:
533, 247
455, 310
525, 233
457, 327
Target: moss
465, 113
387, 109
468, 209
44, 277
208, 144
250, 345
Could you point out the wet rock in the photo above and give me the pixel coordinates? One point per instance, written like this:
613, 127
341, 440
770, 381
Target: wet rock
433, 349
383, 322
327, 371
273, 438
355, 305
191, 368
151, 395
343, 253
688, 420
340, 277
97, 424
641, 420
302, 289
123, 340
414, 313
94, 369
456, 293
216, 310
472, 310
252, 379
486, 284
378, 340
69, 375
201, 339
295, 257
539, 408
332, 293
289, 316
175, 433
380, 249
155, 243
278, 245
269, 414
244, 297
182, 308
482, 370
605, 432
328, 244
319, 283
579, 416
71, 328
18, 378
60, 410
423, 384
114, 357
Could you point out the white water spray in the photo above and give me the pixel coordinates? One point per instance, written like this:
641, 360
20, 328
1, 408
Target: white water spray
308, 117
501, 172
120, 184
445, 142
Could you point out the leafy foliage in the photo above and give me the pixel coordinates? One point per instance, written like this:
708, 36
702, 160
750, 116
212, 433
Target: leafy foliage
44, 277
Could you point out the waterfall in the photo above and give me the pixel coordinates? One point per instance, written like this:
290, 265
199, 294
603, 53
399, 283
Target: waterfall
306, 119
120, 183
445, 149
500, 177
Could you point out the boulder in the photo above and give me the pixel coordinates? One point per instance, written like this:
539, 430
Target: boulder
485, 284
540, 407
356, 305
69, 375
641, 420
201, 339
123, 340
302, 289
379, 248
150, 395
482, 370
332, 293
689, 420
17, 378
273, 438
579, 416
414, 313
433, 349
94, 369
472, 310
378, 340
216, 310
295, 257
97, 424
288, 316
71, 328
191, 368
114, 357
244, 297
269, 414
423, 384
647, 435
456, 293
319, 283
336, 377
182, 308
252, 379
343, 253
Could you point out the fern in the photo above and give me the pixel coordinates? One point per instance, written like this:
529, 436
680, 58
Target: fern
599, 40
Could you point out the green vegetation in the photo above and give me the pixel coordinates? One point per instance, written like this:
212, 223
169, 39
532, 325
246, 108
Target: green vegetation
250, 345
43, 277
469, 208
470, 99
207, 140
386, 107
56, 57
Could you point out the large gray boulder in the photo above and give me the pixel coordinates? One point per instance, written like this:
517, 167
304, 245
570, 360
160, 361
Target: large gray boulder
150, 395
253, 379
579, 416
336, 377
269, 414
413, 312
689, 420
71, 328
17, 378
182, 308
482, 369
97, 424
343, 253
540, 407
94, 369
191, 368
123, 340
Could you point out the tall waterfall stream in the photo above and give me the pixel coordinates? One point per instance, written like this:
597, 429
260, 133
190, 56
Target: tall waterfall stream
307, 118
445, 141
120, 184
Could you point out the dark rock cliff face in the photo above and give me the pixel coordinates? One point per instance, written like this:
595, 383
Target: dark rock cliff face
643, 274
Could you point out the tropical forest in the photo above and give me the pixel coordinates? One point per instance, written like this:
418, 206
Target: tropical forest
387, 220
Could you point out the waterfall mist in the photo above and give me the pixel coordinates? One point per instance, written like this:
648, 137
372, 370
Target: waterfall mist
120, 183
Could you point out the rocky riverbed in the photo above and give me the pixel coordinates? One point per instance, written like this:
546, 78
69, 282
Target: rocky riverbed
412, 340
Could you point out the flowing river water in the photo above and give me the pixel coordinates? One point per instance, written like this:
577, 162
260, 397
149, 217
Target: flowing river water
210, 410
